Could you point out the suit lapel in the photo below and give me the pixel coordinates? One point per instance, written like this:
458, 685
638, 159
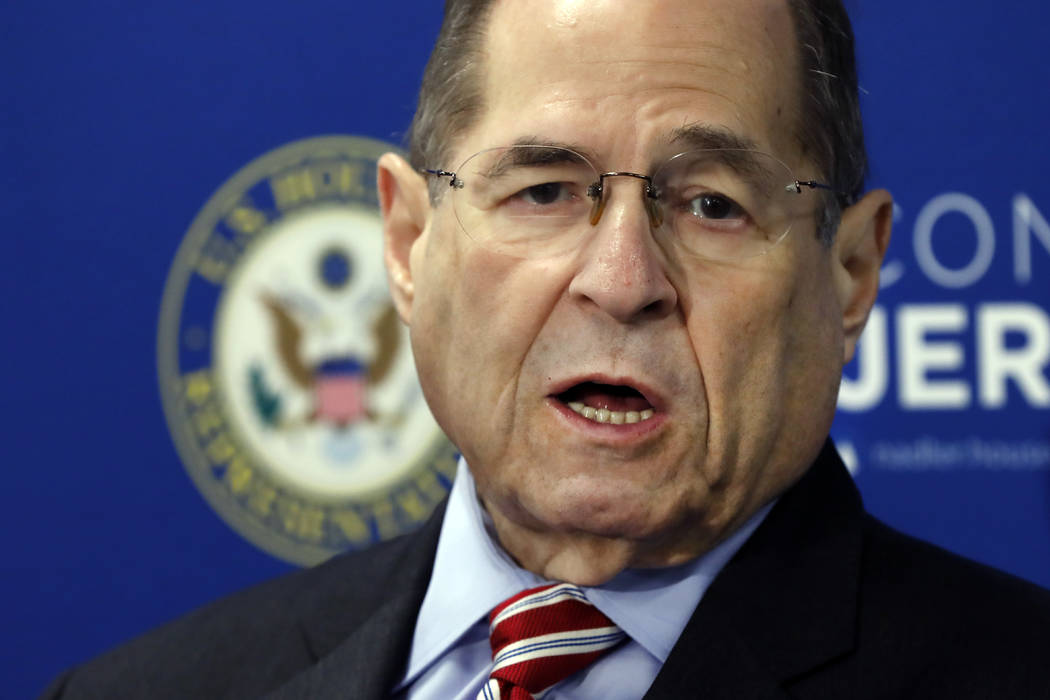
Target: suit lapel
359, 623
784, 604
365, 665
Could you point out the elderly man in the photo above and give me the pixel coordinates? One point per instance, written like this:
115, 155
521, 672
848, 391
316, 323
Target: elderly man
634, 255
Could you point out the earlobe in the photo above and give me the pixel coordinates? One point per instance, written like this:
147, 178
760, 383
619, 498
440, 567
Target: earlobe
860, 245
405, 206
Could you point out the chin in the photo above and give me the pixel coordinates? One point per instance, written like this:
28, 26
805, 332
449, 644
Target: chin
623, 514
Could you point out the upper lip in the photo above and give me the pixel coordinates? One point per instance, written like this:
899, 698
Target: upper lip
655, 399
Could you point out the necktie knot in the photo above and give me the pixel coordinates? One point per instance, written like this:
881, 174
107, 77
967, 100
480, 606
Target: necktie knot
542, 636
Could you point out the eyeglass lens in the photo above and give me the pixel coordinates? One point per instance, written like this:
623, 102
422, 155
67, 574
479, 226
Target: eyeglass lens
538, 201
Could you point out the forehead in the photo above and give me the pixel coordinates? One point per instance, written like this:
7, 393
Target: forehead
622, 77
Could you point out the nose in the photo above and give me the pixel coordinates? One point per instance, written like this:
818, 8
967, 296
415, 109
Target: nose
622, 269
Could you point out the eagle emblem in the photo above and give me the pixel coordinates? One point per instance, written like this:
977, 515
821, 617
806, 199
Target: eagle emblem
286, 376
338, 382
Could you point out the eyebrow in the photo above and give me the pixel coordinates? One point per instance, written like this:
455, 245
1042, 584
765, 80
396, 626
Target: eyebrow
576, 148
730, 149
690, 137
540, 153
706, 136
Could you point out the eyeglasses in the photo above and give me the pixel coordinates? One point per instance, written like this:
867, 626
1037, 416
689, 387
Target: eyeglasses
538, 201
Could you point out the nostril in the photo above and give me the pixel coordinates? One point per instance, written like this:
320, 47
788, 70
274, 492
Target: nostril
654, 308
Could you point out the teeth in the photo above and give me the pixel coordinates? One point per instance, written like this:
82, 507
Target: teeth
604, 415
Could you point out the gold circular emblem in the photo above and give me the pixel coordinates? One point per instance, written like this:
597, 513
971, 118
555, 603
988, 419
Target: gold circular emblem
286, 377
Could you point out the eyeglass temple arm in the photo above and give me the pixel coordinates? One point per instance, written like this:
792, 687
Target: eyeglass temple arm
797, 186
453, 180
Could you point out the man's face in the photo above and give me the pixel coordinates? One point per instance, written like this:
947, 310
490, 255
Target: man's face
738, 362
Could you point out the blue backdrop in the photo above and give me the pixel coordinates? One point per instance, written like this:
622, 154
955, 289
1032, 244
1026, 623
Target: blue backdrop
121, 119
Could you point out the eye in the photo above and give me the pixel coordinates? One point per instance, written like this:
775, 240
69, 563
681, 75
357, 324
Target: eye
545, 193
715, 206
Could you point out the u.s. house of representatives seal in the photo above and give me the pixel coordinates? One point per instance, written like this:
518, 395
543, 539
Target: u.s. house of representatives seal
286, 376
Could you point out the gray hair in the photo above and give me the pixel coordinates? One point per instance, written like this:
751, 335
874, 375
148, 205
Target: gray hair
829, 128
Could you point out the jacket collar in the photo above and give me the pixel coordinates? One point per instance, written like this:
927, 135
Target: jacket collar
786, 603
357, 622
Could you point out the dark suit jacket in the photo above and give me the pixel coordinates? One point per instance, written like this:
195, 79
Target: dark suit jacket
822, 602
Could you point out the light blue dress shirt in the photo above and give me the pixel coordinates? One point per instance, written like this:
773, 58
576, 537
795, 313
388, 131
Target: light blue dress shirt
451, 658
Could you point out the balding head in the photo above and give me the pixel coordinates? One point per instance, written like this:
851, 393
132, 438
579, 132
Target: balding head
827, 126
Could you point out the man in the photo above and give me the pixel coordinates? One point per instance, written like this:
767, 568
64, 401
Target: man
633, 255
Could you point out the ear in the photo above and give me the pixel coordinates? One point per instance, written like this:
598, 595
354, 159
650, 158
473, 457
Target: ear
858, 250
405, 205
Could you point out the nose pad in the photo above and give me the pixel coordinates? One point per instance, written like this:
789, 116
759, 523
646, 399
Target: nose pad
652, 206
599, 205
649, 198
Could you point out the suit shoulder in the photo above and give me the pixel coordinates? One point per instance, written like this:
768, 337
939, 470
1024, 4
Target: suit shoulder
913, 569
245, 643
962, 620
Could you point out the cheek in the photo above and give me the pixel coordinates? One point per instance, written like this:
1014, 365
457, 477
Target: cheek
492, 314
735, 326
458, 291
475, 317
766, 343
441, 328
815, 344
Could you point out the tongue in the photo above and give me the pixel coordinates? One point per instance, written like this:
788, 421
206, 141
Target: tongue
613, 398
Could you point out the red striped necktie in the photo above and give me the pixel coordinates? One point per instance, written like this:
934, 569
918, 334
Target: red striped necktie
542, 636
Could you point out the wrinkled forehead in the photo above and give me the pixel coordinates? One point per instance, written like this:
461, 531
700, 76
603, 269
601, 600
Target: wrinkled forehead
628, 75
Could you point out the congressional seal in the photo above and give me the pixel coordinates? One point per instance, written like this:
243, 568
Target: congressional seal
285, 374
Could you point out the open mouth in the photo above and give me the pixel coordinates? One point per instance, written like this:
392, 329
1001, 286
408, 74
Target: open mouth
607, 403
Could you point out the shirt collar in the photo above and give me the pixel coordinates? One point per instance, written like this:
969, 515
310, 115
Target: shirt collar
472, 574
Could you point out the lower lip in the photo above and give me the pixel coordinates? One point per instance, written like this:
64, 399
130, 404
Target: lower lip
625, 433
